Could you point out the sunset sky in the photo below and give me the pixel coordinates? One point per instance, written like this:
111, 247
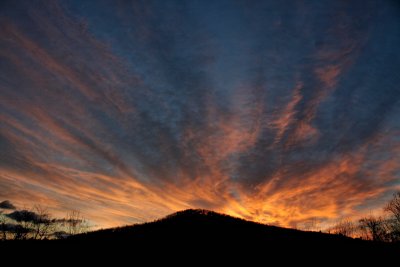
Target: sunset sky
282, 112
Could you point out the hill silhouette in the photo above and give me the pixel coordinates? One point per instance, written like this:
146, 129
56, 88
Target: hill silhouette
194, 227
203, 225
193, 232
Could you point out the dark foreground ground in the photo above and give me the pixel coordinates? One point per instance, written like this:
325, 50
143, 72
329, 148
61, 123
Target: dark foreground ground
204, 236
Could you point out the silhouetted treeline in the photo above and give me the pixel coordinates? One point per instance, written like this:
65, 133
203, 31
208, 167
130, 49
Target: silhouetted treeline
204, 236
37, 223
384, 228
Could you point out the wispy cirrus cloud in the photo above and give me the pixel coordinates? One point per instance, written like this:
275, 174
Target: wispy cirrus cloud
131, 111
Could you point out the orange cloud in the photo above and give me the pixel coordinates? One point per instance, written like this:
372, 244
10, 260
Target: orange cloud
287, 115
328, 75
83, 131
333, 191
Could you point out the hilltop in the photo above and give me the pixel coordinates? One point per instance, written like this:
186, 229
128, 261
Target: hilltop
195, 233
194, 227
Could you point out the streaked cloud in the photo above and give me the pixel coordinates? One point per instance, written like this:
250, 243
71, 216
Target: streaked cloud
275, 112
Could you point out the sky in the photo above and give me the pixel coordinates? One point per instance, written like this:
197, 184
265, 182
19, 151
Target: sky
281, 112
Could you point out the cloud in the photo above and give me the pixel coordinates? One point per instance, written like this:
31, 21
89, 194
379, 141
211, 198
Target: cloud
25, 216
7, 205
278, 117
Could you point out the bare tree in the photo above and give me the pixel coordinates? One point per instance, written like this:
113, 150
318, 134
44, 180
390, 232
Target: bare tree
374, 227
394, 206
344, 227
393, 222
75, 223
311, 225
38, 223
42, 226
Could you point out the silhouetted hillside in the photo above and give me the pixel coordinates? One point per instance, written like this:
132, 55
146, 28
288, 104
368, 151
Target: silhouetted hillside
201, 232
191, 228
202, 225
